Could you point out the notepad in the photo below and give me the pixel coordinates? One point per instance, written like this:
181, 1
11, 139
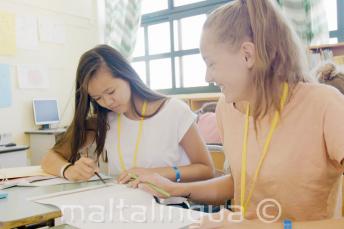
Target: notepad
24, 180
26, 171
40, 181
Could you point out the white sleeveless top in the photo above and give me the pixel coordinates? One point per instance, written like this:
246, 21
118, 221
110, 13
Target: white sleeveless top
161, 135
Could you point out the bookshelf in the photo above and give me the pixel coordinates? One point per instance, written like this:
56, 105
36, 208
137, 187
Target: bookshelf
334, 52
195, 101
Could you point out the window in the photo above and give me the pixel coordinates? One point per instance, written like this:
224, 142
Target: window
335, 18
149, 6
167, 55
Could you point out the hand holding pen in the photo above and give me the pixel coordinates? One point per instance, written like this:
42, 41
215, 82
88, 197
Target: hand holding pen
83, 169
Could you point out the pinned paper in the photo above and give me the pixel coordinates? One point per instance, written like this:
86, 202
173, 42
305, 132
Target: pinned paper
32, 76
51, 31
5, 86
27, 32
7, 33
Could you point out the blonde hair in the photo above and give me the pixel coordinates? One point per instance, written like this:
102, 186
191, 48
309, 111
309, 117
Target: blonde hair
279, 56
330, 74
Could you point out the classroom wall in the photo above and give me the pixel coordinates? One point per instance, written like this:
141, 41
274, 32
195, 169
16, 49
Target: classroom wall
79, 20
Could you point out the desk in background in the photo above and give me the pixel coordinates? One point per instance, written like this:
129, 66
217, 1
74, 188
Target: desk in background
13, 156
17, 211
41, 141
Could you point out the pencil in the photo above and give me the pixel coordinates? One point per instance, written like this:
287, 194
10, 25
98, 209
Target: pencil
97, 174
153, 186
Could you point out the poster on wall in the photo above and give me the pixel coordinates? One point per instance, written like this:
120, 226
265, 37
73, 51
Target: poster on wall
32, 76
51, 31
26, 32
8, 33
5, 86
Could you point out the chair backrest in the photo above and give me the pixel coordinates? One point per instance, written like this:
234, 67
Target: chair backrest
218, 159
218, 156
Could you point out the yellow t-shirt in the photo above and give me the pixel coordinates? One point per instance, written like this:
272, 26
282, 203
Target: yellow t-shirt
302, 169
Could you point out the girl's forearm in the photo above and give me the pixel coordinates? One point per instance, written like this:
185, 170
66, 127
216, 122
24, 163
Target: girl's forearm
193, 172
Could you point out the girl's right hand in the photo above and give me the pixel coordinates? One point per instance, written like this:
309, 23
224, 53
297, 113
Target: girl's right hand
82, 170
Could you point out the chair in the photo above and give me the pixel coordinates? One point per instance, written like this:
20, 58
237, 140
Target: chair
218, 156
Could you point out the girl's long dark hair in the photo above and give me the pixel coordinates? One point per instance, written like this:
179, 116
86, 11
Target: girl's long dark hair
87, 109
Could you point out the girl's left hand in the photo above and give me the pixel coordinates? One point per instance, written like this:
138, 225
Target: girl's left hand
124, 177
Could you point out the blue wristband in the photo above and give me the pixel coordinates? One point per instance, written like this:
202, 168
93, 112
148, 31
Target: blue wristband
287, 224
177, 173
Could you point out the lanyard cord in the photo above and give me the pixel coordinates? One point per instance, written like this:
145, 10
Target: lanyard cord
244, 204
138, 139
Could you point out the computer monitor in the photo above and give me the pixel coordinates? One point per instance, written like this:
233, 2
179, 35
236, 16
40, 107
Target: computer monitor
45, 112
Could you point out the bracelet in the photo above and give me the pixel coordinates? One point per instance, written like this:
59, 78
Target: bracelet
177, 173
64, 168
287, 224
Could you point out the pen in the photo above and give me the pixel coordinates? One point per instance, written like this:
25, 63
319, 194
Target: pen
97, 174
153, 186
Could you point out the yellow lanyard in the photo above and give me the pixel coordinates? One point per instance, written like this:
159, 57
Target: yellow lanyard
139, 135
244, 204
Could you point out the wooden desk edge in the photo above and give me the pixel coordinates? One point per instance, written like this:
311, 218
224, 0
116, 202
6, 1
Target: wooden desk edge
31, 220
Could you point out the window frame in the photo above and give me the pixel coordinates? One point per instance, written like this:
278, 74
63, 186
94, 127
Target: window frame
170, 15
339, 33
194, 9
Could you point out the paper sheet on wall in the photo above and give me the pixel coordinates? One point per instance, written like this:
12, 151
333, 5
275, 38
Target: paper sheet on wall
51, 31
5, 86
117, 205
32, 76
8, 33
27, 33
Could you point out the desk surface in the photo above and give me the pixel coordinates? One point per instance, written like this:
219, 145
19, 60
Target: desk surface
48, 131
17, 211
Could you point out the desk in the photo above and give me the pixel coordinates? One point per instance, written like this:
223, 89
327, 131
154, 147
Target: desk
13, 156
41, 141
16, 210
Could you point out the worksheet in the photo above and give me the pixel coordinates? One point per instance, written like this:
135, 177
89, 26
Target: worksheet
109, 205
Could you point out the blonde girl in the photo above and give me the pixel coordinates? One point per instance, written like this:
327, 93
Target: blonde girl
283, 134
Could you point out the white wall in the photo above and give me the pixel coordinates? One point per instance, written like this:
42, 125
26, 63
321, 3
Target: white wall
79, 18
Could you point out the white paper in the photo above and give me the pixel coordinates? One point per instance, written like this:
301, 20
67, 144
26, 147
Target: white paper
26, 171
51, 31
26, 32
32, 76
120, 206
26, 180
